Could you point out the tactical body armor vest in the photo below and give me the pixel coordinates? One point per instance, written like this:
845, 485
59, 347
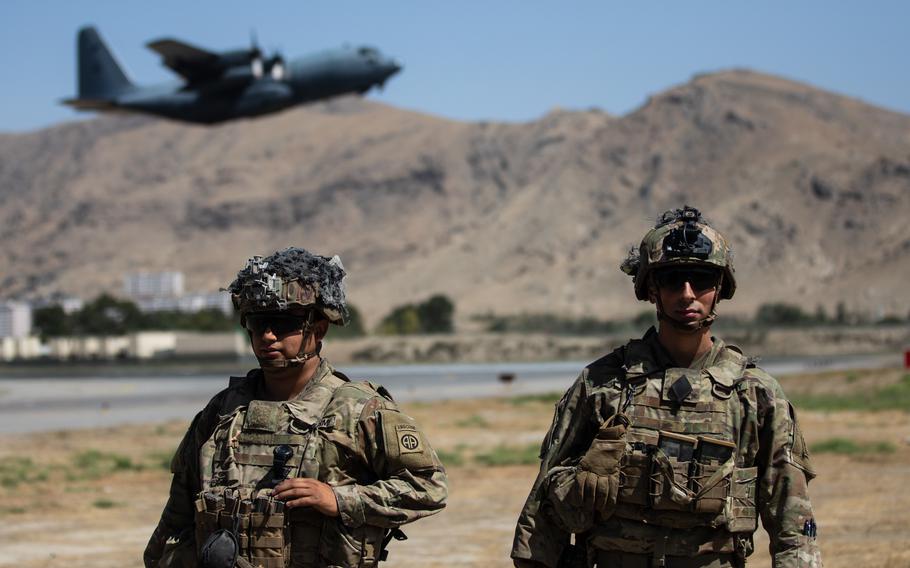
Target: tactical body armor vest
238, 469
686, 485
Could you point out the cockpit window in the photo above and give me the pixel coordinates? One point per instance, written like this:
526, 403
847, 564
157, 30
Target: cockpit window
367, 52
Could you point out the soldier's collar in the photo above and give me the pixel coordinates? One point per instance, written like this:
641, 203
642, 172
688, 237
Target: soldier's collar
710, 357
646, 356
322, 371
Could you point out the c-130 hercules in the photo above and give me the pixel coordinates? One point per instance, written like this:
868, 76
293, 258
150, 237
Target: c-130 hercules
226, 85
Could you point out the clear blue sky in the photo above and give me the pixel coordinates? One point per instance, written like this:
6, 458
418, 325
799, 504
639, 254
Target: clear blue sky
474, 59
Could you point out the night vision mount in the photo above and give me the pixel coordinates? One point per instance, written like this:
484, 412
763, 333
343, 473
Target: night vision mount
687, 240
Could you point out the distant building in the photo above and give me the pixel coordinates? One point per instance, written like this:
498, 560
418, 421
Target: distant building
146, 285
188, 303
213, 300
15, 319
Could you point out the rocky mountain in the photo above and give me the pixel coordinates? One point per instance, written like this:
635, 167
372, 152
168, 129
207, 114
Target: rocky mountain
812, 188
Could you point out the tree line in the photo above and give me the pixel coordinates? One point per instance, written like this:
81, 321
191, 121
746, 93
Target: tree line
107, 315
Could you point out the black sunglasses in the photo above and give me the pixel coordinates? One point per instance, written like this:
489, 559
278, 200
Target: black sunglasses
675, 278
279, 324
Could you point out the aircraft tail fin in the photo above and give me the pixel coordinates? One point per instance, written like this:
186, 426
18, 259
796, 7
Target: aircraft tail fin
100, 76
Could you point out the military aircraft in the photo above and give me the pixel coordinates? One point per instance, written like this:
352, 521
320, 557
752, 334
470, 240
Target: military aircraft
220, 86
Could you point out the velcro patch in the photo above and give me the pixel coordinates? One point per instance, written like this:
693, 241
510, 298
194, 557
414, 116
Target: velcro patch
408, 439
263, 416
405, 447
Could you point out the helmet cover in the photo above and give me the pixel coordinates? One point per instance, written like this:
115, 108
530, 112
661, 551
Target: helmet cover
291, 278
680, 237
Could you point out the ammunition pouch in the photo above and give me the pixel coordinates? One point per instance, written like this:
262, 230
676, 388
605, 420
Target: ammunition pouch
673, 489
712, 498
228, 530
634, 474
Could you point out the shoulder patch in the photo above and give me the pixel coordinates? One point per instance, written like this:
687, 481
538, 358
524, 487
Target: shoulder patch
405, 446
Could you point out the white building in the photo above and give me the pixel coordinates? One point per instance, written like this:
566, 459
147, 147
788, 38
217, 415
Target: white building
189, 303
15, 319
142, 285
198, 302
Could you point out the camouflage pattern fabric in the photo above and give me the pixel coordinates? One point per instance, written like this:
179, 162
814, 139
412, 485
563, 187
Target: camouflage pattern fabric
382, 469
662, 510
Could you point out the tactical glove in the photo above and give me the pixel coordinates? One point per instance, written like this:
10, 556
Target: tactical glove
597, 474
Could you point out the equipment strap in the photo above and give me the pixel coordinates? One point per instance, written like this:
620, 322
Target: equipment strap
395, 533
271, 439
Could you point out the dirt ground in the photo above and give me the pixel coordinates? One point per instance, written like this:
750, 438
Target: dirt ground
91, 498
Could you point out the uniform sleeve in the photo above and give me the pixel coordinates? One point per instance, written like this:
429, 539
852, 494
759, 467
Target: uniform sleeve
410, 478
177, 518
784, 475
545, 521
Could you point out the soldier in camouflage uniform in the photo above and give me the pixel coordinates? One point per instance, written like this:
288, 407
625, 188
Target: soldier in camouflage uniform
294, 465
667, 451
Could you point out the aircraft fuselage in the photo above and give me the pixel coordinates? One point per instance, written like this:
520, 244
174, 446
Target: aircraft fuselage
227, 85
307, 79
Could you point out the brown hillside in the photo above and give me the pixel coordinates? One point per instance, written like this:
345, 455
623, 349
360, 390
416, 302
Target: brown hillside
813, 189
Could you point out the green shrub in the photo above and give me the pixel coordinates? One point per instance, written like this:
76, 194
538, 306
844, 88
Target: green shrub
107, 315
104, 504
510, 455
891, 397
547, 323
15, 471
849, 447
432, 316
161, 460
93, 464
473, 421
781, 314
549, 398
451, 459
435, 314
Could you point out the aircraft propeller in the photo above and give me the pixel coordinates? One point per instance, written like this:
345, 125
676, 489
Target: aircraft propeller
260, 64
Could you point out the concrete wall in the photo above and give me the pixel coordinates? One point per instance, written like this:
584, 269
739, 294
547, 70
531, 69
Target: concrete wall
152, 344
20, 348
192, 344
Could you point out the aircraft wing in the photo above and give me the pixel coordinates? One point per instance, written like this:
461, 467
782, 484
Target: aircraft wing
190, 62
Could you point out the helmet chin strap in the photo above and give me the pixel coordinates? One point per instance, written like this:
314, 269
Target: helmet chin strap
301, 357
688, 327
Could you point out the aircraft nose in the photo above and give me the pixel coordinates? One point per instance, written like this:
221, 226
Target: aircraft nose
392, 67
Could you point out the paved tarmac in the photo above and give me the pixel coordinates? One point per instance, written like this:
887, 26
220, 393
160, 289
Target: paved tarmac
50, 401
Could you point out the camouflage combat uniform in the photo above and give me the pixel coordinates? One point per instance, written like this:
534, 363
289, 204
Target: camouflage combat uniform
379, 464
731, 399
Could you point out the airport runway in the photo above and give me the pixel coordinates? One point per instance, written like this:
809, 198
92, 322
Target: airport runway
48, 403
